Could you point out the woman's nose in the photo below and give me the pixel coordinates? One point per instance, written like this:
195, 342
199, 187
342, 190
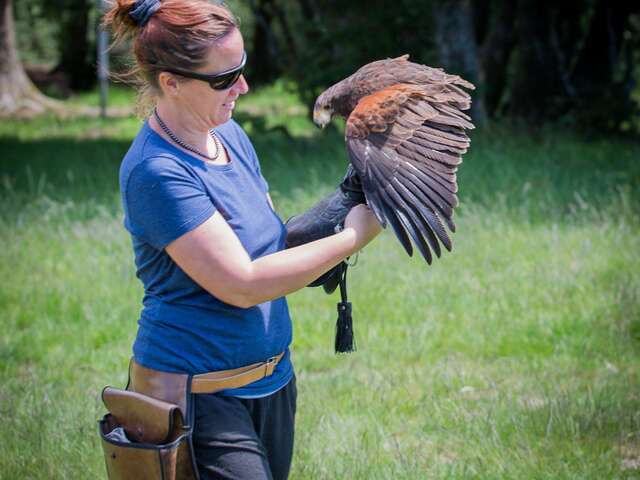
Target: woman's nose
241, 86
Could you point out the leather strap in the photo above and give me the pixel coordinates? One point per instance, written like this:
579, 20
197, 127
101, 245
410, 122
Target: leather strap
172, 387
235, 378
166, 386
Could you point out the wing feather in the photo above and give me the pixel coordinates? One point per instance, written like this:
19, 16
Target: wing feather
408, 218
409, 222
405, 142
414, 184
360, 155
430, 222
430, 135
416, 150
428, 177
405, 201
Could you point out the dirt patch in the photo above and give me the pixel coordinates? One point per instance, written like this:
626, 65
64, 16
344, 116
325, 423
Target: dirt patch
630, 454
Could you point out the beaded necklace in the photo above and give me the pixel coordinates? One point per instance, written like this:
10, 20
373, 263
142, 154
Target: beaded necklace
184, 144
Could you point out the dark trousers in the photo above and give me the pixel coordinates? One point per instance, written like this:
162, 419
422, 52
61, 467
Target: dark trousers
236, 438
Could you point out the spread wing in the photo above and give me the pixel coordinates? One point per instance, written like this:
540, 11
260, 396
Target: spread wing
406, 142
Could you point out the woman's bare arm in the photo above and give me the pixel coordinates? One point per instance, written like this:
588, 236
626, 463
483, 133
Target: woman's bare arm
213, 257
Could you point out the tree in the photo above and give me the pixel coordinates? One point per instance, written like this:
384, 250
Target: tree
536, 87
266, 62
333, 38
77, 54
456, 41
603, 76
497, 42
18, 96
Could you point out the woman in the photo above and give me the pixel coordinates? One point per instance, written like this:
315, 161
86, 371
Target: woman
208, 245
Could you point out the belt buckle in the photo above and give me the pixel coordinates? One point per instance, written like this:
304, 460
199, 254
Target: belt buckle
269, 365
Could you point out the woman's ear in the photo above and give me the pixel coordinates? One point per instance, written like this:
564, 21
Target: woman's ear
168, 84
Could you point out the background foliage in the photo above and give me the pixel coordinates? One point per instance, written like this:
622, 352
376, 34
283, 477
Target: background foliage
514, 356
575, 62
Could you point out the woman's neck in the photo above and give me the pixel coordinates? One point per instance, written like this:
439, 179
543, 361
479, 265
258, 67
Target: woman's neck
185, 125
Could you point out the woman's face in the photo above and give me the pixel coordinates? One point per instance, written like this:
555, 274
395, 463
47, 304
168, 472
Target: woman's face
215, 107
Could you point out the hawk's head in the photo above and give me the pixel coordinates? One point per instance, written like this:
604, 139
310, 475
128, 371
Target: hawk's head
323, 110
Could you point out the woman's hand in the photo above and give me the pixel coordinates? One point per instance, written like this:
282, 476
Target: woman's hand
364, 223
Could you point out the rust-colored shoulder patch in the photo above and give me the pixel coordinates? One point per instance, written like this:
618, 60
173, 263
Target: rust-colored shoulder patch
376, 111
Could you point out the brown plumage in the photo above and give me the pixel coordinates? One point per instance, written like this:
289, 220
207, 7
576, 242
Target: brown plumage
405, 135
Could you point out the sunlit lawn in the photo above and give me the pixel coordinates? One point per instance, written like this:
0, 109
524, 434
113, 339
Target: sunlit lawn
515, 356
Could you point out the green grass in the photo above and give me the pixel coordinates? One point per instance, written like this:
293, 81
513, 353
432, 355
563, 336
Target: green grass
515, 356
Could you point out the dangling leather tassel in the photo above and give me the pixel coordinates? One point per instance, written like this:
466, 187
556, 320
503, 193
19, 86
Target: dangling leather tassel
345, 339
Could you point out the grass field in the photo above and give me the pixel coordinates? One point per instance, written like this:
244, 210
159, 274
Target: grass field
516, 356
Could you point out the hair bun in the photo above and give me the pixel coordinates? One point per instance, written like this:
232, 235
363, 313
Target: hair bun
143, 10
127, 17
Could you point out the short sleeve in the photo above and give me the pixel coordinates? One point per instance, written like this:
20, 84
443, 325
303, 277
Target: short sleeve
163, 200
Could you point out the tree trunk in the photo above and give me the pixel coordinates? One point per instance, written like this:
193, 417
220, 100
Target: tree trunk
601, 75
457, 47
600, 58
18, 96
77, 62
536, 90
286, 32
265, 60
495, 53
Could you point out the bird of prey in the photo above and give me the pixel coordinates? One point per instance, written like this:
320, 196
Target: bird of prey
405, 134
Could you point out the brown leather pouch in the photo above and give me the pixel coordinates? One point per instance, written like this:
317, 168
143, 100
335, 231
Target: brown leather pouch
147, 432
143, 437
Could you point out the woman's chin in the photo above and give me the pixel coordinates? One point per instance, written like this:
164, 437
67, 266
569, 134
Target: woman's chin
223, 117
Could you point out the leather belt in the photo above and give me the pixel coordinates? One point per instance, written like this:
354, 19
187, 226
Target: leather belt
172, 387
234, 378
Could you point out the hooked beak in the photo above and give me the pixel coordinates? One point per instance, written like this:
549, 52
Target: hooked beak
321, 117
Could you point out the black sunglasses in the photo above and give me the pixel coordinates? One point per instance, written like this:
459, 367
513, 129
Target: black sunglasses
217, 81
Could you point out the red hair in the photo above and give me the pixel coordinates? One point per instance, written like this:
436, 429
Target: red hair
179, 34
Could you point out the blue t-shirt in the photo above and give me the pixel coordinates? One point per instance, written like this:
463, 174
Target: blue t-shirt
182, 327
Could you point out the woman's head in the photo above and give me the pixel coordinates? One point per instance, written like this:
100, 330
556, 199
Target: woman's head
181, 36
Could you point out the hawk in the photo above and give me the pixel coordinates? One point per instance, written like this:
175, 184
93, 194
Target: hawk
405, 135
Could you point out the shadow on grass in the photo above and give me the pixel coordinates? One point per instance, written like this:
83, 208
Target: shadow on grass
86, 169
533, 178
